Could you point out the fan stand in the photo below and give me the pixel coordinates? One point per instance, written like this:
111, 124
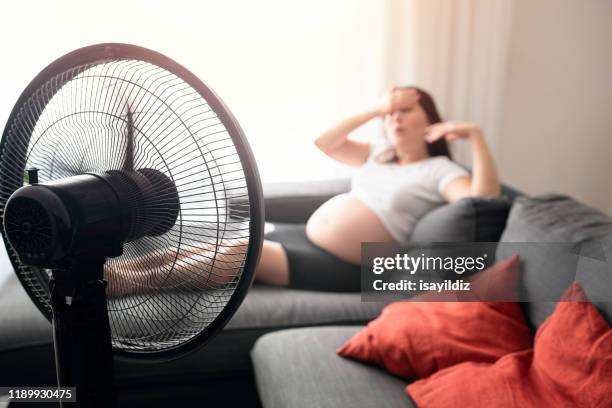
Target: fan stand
81, 331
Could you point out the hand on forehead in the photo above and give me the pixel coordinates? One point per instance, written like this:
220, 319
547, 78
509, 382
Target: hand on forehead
404, 97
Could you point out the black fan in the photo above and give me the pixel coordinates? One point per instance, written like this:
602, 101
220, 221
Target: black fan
140, 222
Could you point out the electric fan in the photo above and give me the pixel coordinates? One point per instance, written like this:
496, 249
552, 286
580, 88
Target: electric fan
132, 210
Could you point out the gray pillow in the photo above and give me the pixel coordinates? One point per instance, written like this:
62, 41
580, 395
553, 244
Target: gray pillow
473, 219
535, 224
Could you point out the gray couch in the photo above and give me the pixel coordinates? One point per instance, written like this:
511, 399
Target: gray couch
299, 368
294, 361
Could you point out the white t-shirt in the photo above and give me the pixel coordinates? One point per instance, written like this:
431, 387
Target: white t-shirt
401, 194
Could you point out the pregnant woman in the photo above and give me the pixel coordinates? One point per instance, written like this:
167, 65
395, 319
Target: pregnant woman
393, 187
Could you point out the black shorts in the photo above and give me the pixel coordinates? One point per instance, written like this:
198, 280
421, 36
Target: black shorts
313, 268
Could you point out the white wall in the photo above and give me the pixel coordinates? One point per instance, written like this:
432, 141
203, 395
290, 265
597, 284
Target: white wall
557, 118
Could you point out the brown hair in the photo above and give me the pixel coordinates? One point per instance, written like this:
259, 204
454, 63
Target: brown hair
437, 148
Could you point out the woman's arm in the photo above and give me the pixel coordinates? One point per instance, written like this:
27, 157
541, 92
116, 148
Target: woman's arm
484, 180
336, 144
484, 174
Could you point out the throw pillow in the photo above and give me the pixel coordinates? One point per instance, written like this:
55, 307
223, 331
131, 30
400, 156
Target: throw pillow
570, 365
413, 339
473, 219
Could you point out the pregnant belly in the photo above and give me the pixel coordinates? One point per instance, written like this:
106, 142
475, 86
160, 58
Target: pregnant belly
341, 224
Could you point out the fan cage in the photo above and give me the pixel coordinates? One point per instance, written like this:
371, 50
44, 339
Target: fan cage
164, 290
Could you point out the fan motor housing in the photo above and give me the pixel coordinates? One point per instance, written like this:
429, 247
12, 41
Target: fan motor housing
88, 214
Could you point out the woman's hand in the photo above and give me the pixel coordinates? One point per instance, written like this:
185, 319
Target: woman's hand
398, 98
451, 131
484, 181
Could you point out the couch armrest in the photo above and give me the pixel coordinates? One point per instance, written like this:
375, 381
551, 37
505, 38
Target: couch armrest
296, 201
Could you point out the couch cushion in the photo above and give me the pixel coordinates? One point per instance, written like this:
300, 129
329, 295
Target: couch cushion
549, 270
26, 334
299, 368
477, 219
270, 307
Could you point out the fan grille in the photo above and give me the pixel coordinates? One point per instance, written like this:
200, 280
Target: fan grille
165, 289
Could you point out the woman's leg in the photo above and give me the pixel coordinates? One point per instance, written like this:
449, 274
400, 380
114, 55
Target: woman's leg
273, 266
208, 267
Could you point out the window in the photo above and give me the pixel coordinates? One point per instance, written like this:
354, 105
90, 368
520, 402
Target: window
287, 70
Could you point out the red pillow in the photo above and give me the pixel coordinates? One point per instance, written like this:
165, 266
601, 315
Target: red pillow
570, 366
415, 339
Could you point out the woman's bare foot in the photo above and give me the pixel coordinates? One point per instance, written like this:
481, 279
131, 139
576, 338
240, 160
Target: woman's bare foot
207, 266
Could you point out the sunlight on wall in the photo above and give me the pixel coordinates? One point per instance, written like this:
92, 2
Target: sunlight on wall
287, 70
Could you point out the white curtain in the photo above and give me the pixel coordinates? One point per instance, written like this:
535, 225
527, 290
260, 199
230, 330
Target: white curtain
457, 50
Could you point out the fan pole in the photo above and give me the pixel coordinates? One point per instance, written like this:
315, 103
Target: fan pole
81, 332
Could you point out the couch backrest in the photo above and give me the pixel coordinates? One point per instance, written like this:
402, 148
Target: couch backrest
296, 201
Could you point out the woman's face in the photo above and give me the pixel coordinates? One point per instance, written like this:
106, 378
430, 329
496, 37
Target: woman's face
406, 124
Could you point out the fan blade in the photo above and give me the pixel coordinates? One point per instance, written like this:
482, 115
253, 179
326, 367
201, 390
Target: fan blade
128, 159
